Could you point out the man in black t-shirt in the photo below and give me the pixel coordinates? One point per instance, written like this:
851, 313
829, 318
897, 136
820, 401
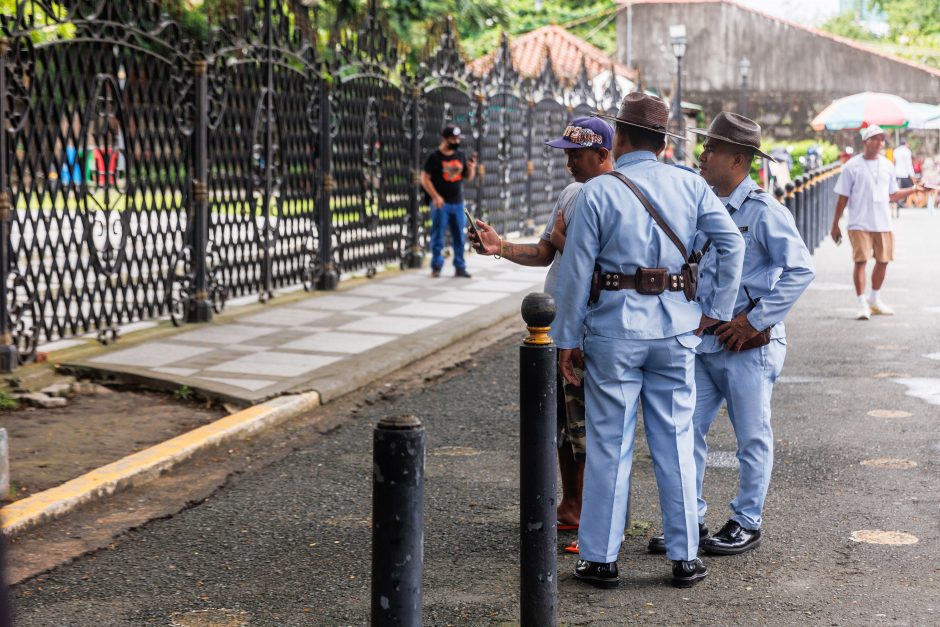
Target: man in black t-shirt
445, 171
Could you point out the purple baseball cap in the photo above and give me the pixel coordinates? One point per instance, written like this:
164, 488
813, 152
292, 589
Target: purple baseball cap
589, 132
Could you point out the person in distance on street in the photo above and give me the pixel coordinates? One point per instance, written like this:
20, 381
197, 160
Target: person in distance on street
442, 178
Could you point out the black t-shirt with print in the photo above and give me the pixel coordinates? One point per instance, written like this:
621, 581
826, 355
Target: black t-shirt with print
447, 174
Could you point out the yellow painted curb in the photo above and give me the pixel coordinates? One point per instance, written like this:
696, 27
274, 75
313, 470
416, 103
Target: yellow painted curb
146, 465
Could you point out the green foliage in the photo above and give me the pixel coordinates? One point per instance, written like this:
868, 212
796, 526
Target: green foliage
480, 23
183, 393
830, 152
916, 19
592, 20
7, 402
846, 25
913, 29
41, 15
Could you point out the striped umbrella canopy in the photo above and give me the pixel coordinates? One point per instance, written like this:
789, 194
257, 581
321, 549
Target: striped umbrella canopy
860, 110
929, 116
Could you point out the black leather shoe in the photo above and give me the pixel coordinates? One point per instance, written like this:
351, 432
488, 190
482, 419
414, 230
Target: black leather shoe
658, 543
687, 574
598, 574
732, 540
461, 273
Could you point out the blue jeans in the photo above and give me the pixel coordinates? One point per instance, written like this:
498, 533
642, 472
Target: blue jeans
449, 216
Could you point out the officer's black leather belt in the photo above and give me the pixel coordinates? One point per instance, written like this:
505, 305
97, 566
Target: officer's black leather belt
615, 281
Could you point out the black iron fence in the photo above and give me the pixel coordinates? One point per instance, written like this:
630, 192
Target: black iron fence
148, 173
810, 198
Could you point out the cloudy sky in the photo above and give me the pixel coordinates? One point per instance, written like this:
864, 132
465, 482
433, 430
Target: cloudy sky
812, 12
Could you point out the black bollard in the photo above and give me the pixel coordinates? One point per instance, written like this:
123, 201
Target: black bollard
397, 521
538, 536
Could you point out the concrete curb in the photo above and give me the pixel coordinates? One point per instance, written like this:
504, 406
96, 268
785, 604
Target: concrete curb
148, 464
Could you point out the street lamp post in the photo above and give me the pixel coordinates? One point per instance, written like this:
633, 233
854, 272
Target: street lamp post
677, 38
745, 67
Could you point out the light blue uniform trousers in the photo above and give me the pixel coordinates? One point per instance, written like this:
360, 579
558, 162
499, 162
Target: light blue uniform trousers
745, 380
619, 373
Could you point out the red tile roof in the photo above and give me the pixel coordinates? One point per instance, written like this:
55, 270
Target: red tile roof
566, 50
815, 31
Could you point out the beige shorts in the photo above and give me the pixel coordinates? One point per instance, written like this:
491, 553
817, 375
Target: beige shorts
868, 244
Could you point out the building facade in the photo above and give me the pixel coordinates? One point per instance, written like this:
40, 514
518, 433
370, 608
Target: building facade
795, 71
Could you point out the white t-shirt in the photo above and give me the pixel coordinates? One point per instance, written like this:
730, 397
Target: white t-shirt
565, 204
867, 184
903, 163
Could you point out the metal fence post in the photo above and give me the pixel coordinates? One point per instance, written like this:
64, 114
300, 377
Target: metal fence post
413, 256
9, 356
329, 273
809, 198
530, 169
481, 167
820, 186
538, 535
199, 309
397, 521
799, 209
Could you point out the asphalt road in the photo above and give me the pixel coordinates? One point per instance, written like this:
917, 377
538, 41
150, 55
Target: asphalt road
289, 542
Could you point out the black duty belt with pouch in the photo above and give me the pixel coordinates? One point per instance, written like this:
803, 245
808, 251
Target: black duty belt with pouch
649, 281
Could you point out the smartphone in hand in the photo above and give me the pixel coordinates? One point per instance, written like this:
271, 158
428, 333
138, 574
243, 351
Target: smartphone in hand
478, 244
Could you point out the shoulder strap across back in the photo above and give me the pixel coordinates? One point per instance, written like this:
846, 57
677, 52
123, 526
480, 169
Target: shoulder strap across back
658, 219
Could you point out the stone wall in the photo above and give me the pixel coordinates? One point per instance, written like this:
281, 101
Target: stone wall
795, 71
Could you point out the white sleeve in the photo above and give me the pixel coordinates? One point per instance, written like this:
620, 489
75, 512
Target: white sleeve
845, 182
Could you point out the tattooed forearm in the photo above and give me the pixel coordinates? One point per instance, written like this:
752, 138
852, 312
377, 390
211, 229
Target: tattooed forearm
527, 254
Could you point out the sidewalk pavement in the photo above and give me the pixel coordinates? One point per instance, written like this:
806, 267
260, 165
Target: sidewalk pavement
330, 343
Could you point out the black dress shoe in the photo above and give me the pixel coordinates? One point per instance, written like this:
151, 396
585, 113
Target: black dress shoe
687, 574
599, 574
461, 273
731, 540
658, 543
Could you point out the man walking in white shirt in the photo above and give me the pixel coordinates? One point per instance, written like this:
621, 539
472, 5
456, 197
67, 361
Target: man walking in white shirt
903, 168
866, 185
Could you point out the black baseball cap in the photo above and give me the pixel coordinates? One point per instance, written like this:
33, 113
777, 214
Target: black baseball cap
451, 130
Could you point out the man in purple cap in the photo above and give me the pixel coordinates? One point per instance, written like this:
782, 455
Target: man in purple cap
587, 144
442, 178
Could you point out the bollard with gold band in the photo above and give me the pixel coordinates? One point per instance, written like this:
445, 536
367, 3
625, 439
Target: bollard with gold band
538, 535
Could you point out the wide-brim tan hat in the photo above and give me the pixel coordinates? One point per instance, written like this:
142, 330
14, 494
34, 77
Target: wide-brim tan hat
734, 129
643, 111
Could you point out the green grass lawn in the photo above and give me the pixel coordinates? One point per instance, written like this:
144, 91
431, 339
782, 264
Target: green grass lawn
172, 200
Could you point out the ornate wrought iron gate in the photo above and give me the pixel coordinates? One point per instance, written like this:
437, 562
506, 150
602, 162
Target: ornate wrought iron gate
146, 172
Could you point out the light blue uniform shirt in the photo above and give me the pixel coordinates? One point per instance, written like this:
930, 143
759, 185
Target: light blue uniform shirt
611, 228
777, 264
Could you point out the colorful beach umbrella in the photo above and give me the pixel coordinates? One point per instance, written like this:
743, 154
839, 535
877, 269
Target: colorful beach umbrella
861, 110
929, 116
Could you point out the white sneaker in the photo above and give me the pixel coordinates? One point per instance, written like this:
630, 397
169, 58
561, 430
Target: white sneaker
879, 308
864, 312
